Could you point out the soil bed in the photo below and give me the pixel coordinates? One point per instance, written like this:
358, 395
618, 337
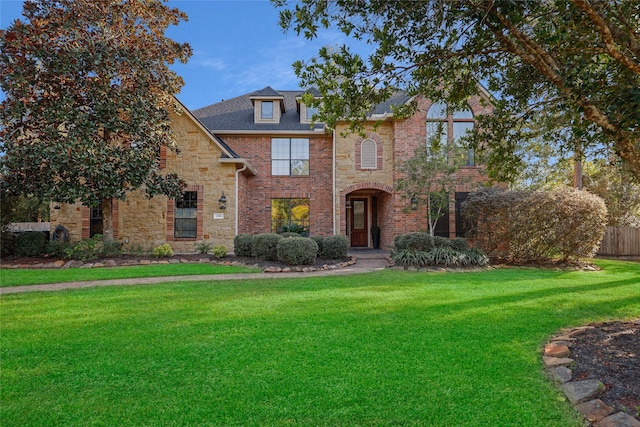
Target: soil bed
610, 353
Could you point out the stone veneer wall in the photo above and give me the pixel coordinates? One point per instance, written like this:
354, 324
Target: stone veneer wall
147, 223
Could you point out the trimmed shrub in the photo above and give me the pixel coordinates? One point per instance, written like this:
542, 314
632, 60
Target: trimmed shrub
163, 251
86, 249
243, 245
219, 251
533, 226
319, 241
266, 246
58, 249
30, 243
441, 242
415, 241
290, 234
459, 244
7, 243
335, 247
297, 251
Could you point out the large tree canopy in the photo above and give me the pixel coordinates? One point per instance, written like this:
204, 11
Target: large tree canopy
565, 71
88, 99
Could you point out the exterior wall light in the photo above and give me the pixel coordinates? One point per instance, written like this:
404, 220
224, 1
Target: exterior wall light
223, 201
414, 203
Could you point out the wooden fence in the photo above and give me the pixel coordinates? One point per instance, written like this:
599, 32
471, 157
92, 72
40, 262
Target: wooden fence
620, 241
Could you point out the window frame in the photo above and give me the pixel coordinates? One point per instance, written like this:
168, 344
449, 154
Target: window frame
189, 198
277, 222
281, 159
447, 124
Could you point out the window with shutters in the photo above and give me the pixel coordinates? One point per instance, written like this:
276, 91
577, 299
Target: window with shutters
369, 154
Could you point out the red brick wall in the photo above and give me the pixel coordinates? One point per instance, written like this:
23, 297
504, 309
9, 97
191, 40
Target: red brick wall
255, 210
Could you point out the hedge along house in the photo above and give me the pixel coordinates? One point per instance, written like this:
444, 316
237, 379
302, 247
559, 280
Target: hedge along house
256, 163
207, 211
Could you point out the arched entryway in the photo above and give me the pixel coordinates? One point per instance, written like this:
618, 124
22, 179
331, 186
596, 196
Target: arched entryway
365, 214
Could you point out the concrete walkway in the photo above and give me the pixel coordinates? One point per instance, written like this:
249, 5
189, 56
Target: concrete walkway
367, 260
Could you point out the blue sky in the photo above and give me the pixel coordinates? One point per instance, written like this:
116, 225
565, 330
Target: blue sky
237, 45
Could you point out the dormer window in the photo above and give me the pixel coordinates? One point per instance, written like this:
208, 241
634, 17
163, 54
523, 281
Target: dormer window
266, 110
268, 106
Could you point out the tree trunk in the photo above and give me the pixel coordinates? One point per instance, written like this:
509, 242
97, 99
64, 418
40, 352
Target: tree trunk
107, 219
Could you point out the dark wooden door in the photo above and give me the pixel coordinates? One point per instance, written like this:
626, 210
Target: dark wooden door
359, 223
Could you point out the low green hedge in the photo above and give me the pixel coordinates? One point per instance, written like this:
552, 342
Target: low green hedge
335, 247
297, 250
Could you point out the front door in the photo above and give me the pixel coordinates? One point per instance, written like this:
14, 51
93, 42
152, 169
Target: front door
359, 223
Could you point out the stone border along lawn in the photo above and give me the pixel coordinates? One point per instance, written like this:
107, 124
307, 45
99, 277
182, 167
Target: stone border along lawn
581, 393
62, 264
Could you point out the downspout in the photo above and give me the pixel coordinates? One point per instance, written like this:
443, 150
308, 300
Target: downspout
333, 131
242, 169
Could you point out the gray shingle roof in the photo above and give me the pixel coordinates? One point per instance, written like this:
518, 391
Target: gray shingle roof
236, 114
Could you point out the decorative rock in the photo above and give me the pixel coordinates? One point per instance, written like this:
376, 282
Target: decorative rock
560, 374
286, 270
579, 391
594, 410
145, 262
619, 420
58, 264
579, 331
174, 261
98, 264
111, 263
203, 260
272, 270
556, 350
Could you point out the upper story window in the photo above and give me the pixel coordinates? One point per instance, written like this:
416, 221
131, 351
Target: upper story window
444, 130
290, 156
369, 154
266, 110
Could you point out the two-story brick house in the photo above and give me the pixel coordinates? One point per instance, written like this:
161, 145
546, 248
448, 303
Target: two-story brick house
256, 164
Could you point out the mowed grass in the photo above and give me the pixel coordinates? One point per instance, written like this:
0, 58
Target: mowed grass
378, 349
25, 277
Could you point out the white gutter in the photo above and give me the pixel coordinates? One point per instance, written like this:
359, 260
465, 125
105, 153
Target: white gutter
334, 182
237, 204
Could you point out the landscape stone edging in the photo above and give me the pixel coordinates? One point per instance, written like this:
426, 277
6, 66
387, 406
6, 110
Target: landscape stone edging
556, 358
60, 264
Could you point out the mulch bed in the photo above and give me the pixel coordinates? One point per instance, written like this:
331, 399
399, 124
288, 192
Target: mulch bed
610, 353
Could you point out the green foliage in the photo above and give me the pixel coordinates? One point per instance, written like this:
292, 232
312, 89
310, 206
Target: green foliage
459, 244
532, 226
111, 248
139, 250
30, 243
297, 251
86, 249
292, 227
415, 241
219, 251
203, 247
570, 76
243, 245
320, 242
266, 246
58, 249
335, 247
7, 243
428, 178
290, 234
88, 99
162, 251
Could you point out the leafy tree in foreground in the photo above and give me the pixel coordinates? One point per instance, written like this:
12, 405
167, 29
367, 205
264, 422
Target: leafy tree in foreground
568, 70
88, 99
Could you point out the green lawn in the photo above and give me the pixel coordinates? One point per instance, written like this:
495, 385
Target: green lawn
20, 277
386, 348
